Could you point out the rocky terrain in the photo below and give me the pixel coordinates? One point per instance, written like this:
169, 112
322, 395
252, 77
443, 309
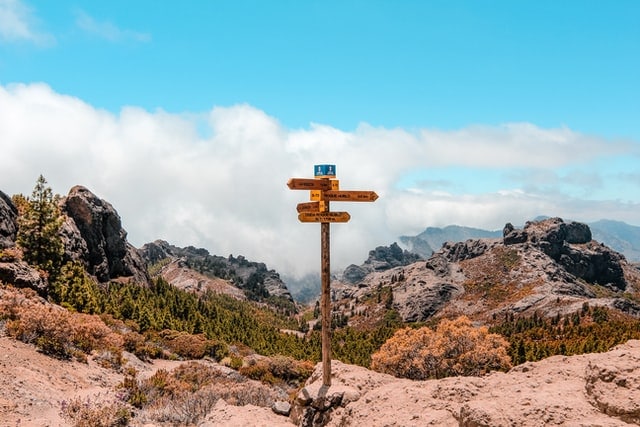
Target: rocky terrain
587, 390
195, 269
549, 266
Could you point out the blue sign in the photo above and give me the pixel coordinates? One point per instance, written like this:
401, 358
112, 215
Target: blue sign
325, 171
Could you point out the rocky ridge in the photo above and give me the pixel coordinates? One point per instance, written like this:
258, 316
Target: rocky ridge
195, 269
549, 266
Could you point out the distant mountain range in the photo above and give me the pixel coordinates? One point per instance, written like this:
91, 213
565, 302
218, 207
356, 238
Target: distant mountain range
618, 235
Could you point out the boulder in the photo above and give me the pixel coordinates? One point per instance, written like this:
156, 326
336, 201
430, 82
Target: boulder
354, 274
460, 251
512, 236
22, 275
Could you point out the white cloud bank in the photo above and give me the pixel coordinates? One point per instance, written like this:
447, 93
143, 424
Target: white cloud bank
218, 179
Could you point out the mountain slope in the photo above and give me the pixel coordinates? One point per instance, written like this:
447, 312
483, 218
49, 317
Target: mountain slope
196, 270
549, 266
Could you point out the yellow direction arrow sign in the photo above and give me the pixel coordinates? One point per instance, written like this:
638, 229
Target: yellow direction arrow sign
308, 207
324, 216
350, 196
308, 184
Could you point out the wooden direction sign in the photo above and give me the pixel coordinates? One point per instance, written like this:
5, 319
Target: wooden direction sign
350, 196
324, 188
308, 207
309, 184
324, 217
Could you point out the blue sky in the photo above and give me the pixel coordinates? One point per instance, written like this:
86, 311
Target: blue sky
469, 112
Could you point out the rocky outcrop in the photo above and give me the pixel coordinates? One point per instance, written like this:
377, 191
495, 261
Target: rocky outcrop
460, 251
592, 389
94, 234
380, 259
8, 221
570, 245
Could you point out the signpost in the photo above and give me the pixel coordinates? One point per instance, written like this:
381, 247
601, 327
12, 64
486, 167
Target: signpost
324, 217
323, 189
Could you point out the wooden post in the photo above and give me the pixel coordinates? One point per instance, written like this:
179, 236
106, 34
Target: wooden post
323, 189
325, 304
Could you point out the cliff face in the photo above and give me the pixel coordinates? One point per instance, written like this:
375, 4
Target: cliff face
93, 233
548, 266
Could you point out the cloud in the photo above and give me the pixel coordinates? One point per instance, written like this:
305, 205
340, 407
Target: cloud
19, 24
107, 30
217, 179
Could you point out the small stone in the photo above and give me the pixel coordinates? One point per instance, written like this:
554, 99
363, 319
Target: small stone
281, 408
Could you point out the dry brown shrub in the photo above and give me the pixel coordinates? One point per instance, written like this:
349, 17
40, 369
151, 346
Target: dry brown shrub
277, 370
454, 348
96, 411
188, 345
189, 392
56, 331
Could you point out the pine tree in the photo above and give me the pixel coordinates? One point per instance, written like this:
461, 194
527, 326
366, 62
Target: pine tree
75, 289
38, 230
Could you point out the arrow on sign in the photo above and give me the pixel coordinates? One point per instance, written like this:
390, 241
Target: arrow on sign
309, 184
324, 216
351, 196
308, 207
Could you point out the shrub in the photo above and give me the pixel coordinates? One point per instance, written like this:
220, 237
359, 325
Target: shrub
56, 331
95, 412
454, 348
277, 369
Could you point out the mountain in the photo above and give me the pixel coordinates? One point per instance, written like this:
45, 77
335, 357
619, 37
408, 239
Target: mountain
195, 269
620, 236
550, 267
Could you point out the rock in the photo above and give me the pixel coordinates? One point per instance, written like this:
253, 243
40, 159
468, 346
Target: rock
439, 264
511, 236
281, 408
427, 302
156, 251
21, 275
108, 254
455, 252
315, 403
354, 274
382, 258
8, 221
614, 387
